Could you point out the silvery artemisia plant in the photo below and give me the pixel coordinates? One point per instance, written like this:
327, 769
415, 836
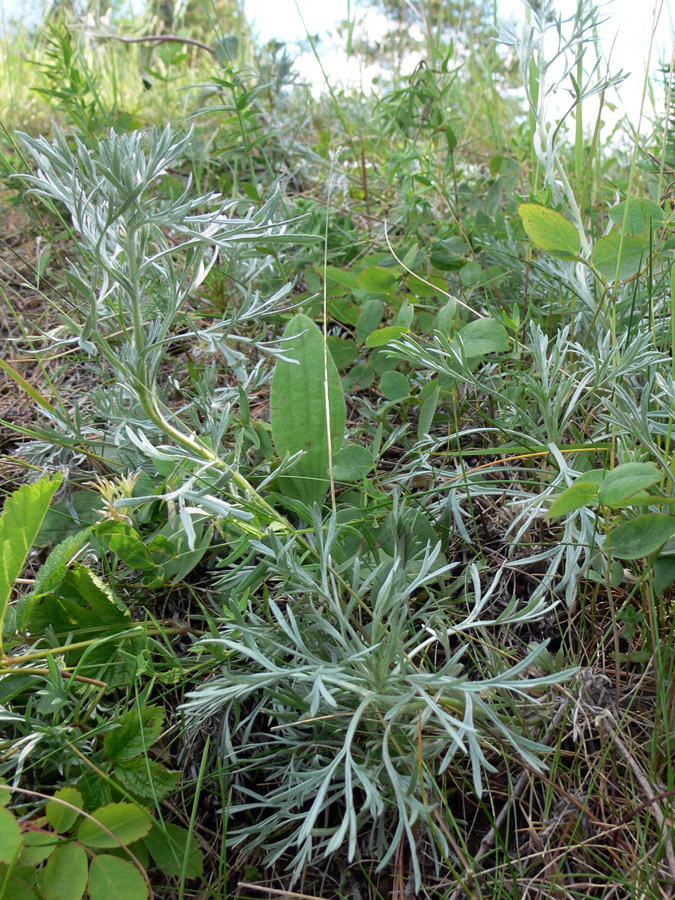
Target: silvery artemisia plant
141, 253
346, 699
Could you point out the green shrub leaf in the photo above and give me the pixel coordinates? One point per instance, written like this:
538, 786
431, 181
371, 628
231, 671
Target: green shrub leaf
127, 823
20, 523
626, 480
382, 336
550, 231
633, 250
642, 535
139, 728
62, 817
581, 493
112, 878
11, 837
65, 875
167, 845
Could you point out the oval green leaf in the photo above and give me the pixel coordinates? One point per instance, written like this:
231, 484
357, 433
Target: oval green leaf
383, 336
61, 816
633, 253
11, 836
581, 493
66, 873
625, 481
112, 878
550, 231
642, 535
126, 822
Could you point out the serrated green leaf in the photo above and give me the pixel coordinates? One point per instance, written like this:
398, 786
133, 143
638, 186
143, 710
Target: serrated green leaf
626, 480
642, 535
112, 878
581, 493
62, 817
634, 253
127, 823
550, 231
11, 836
131, 550
382, 336
167, 845
20, 523
298, 410
65, 876
139, 728
146, 778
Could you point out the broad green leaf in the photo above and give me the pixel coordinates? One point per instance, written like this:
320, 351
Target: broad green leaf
581, 493
626, 480
62, 817
82, 601
37, 847
550, 231
139, 728
17, 884
352, 462
405, 315
19, 526
167, 845
11, 836
484, 336
377, 280
341, 276
127, 823
53, 569
112, 878
298, 410
634, 254
358, 378
642, 535
344, 311
65, 875
131, 550
146, 778
641, 215
395, 386
382, 336
343, 350
369, 320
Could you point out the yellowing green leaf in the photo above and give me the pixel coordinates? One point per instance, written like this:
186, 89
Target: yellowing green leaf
550, 231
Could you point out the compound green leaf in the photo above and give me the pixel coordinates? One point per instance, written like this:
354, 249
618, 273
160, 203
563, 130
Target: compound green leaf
62, 817
65, 875
11, 836
168, 846
112, 878
126, 821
